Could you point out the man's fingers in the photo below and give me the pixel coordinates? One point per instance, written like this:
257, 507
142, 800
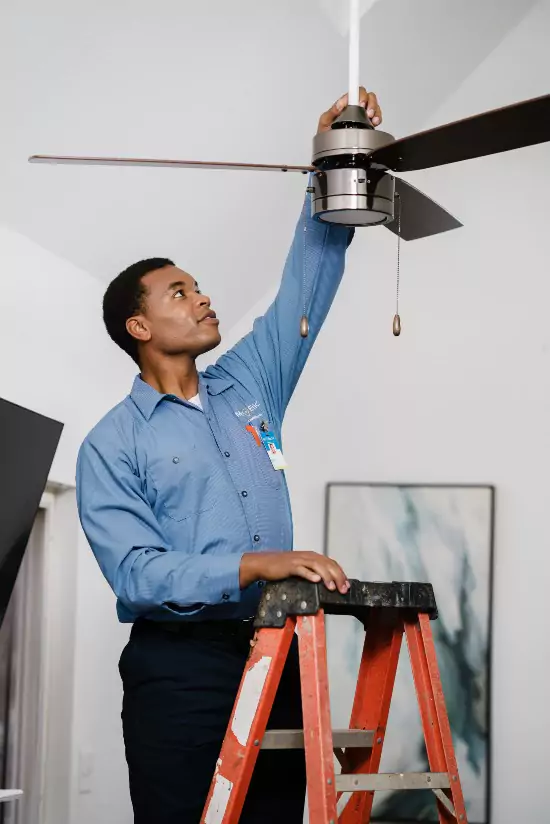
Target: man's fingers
370, 102
308, 574
373, 110
366, 99
318, 566
332, 575
314, 567
339, 577
339, 105
327, 118
321, 572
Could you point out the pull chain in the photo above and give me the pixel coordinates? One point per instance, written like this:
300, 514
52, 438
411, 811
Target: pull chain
304, 323
396, 318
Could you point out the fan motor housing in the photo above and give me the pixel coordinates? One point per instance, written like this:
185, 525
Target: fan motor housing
346, 187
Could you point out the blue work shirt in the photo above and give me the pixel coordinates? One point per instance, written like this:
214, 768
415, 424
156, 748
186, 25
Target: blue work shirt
170, 496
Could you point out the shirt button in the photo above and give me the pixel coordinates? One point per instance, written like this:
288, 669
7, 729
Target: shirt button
260, 584
225, 597
227, 454
175, 460
256, 538
244, 493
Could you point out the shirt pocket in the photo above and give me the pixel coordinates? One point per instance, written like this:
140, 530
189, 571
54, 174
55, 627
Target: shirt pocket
184, 481
258, 462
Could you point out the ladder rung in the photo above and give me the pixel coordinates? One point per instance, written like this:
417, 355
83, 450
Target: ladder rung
294, 739
349, 782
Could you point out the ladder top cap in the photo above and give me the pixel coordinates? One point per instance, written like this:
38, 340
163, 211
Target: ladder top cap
295, 596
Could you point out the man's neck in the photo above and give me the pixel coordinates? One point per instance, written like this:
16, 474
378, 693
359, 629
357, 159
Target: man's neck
177, 377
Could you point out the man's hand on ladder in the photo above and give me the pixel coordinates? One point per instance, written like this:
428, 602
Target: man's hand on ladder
275, 566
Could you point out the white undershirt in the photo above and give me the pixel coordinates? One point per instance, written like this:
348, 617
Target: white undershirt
196, 401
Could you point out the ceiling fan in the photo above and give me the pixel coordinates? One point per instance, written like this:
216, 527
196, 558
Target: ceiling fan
350, 168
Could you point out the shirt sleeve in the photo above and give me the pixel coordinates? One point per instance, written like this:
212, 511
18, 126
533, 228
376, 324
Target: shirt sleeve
274, 352
144, 571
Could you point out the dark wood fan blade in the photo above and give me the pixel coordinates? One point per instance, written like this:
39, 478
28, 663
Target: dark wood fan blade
149, 161
500, 130
420, 215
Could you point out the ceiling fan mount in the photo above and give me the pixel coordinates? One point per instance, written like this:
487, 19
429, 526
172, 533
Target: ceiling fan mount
352, 117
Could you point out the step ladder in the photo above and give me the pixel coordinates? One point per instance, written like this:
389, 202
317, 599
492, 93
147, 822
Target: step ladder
387, 611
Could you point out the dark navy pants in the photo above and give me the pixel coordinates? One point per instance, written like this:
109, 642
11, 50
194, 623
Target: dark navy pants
179, 690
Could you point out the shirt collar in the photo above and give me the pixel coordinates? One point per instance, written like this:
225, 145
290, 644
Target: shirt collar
147, 399
215, 385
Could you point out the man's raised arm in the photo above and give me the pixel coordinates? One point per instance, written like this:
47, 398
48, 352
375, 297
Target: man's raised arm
274, 351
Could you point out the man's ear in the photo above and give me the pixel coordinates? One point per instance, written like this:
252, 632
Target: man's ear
138, 328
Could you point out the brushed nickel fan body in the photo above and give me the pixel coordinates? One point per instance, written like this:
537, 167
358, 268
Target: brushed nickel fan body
346, 187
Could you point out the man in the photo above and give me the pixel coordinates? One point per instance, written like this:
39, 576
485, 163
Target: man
187, 515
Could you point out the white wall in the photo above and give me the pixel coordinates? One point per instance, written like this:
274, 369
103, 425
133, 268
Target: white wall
462, 396
58, 360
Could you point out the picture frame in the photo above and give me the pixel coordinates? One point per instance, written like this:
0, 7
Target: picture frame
396, 531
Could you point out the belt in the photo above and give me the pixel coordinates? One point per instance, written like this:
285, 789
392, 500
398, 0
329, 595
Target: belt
206, 630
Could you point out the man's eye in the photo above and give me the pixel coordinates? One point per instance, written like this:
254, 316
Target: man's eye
180, 293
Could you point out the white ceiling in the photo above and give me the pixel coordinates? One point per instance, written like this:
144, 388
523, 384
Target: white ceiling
213, 80
339, 12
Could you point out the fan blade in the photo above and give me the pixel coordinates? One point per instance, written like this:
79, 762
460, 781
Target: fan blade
420, 215
148, 161
500, 130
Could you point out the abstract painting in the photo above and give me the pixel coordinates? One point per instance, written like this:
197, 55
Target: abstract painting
441, 534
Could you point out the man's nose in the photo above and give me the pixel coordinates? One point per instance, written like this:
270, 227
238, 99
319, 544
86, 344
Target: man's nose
204, 300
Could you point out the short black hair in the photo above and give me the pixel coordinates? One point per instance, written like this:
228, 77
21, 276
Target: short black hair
124, 298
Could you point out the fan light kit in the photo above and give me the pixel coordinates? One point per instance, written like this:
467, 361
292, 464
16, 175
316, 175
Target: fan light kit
350, 169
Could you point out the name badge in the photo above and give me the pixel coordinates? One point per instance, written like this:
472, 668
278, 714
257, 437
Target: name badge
271, 446
266, 438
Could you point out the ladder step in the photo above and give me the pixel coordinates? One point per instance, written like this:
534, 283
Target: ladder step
349, 782
294, 739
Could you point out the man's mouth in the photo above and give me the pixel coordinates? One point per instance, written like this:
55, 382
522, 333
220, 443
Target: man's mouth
210, 317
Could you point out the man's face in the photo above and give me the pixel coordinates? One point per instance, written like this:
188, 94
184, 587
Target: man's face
176, 318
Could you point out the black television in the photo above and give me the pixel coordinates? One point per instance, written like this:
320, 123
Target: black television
28, 442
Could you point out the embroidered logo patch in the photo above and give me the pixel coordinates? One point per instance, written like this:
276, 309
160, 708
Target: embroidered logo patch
246, 411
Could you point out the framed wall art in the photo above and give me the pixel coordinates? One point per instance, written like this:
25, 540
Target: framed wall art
441, 534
